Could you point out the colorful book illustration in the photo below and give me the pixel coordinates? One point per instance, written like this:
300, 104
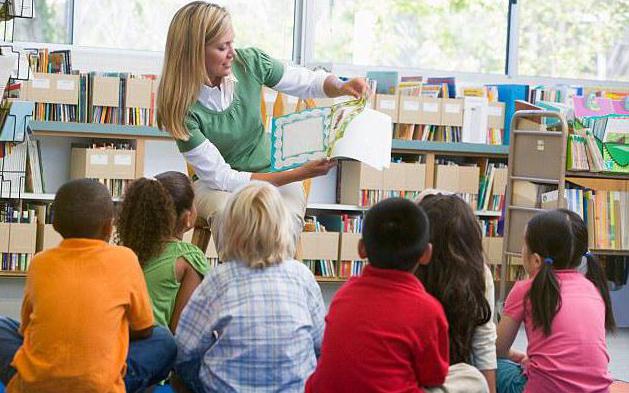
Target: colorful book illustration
346, 130
599, 106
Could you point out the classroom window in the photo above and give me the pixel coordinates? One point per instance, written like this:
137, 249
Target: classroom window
574, 39
143, 24
461, 35
52, 23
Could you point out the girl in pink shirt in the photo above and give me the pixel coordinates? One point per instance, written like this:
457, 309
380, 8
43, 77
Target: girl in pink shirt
565, 313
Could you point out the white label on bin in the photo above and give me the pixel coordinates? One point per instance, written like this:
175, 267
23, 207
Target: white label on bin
65, 84
387, 104
122, 159
453, 108
40, 83
99, 159
411, 106
431, 107
494, 111
268, 97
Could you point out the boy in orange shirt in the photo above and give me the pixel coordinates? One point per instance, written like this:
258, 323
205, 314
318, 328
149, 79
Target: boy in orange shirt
83, 301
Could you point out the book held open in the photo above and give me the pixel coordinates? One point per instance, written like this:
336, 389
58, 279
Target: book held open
345, 130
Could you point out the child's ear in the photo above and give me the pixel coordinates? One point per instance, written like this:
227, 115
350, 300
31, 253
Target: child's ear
108, 229
536, 261
425, 258
362, 251
187, 220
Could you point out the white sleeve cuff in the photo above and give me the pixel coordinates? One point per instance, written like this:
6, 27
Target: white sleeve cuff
212, 170
302, 82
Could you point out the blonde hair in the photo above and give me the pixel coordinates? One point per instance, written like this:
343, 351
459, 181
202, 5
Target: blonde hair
255, 227
193, 27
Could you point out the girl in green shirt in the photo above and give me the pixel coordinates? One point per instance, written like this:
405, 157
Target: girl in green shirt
154, 216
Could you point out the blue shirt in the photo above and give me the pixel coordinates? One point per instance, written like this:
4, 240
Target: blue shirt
253, 330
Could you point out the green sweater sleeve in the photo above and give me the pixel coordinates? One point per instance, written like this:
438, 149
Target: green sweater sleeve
265, 69
196, 136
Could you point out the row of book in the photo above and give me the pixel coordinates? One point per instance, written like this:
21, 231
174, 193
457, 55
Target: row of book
489, 227
15, 262
371, 197
104, 98
606, 214
15, 212
492, 187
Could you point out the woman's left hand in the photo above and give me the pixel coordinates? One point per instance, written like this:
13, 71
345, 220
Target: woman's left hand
356, 87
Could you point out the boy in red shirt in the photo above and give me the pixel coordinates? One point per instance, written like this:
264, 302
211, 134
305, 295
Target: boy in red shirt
384, 332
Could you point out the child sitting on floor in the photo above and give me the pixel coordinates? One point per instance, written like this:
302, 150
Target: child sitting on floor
154, 216
565, 313
83, 301
256, 321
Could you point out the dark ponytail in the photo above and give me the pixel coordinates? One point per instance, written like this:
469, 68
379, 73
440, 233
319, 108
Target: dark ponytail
595, 272
549, 234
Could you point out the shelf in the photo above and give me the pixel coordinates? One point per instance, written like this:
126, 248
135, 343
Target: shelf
609, 251
61, 127
4, 273
334, 207
598, 175
400, 145
330, 279
338, 207
46, 197
487, 213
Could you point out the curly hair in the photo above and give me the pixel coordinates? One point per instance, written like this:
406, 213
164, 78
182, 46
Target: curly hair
456, 272
147, 218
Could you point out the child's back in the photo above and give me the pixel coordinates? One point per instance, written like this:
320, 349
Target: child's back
375, 322
80, 301
565, 313
154, 216
573, 358
384, 332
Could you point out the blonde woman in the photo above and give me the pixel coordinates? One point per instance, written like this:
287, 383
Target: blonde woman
209, 101
256, 321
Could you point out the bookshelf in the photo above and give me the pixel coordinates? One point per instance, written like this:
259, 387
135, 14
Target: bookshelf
538, 157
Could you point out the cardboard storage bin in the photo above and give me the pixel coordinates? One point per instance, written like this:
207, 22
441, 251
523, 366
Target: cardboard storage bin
320, 245
452, 112
47, 237
51, 89
139, 92
102, 163
106, 91
409, 110
430, 110
388, 104
356, 176
18, 237
349, 246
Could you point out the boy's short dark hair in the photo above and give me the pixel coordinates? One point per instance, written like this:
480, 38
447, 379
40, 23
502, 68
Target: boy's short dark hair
395, 234
81, 208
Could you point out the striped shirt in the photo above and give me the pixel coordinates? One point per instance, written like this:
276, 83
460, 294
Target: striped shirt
253, 330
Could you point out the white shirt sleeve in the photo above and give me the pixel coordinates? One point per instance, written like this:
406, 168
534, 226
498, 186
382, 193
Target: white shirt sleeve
484, 339
302, 82
212, 170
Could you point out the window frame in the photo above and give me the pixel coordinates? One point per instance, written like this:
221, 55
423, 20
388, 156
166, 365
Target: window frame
303, 51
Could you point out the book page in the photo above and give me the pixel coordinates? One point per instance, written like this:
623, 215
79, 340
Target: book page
299, 137
367, 138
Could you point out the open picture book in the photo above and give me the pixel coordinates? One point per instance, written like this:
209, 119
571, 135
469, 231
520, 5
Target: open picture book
345, 130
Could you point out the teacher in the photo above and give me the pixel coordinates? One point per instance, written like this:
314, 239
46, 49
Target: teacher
209, 101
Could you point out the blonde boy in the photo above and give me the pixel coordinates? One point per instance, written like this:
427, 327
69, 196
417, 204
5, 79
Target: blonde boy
256, 322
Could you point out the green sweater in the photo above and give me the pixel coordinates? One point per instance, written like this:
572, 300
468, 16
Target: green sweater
161, 279
238, 132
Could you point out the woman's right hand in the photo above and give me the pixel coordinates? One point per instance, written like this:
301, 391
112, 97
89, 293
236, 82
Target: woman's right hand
317, 168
